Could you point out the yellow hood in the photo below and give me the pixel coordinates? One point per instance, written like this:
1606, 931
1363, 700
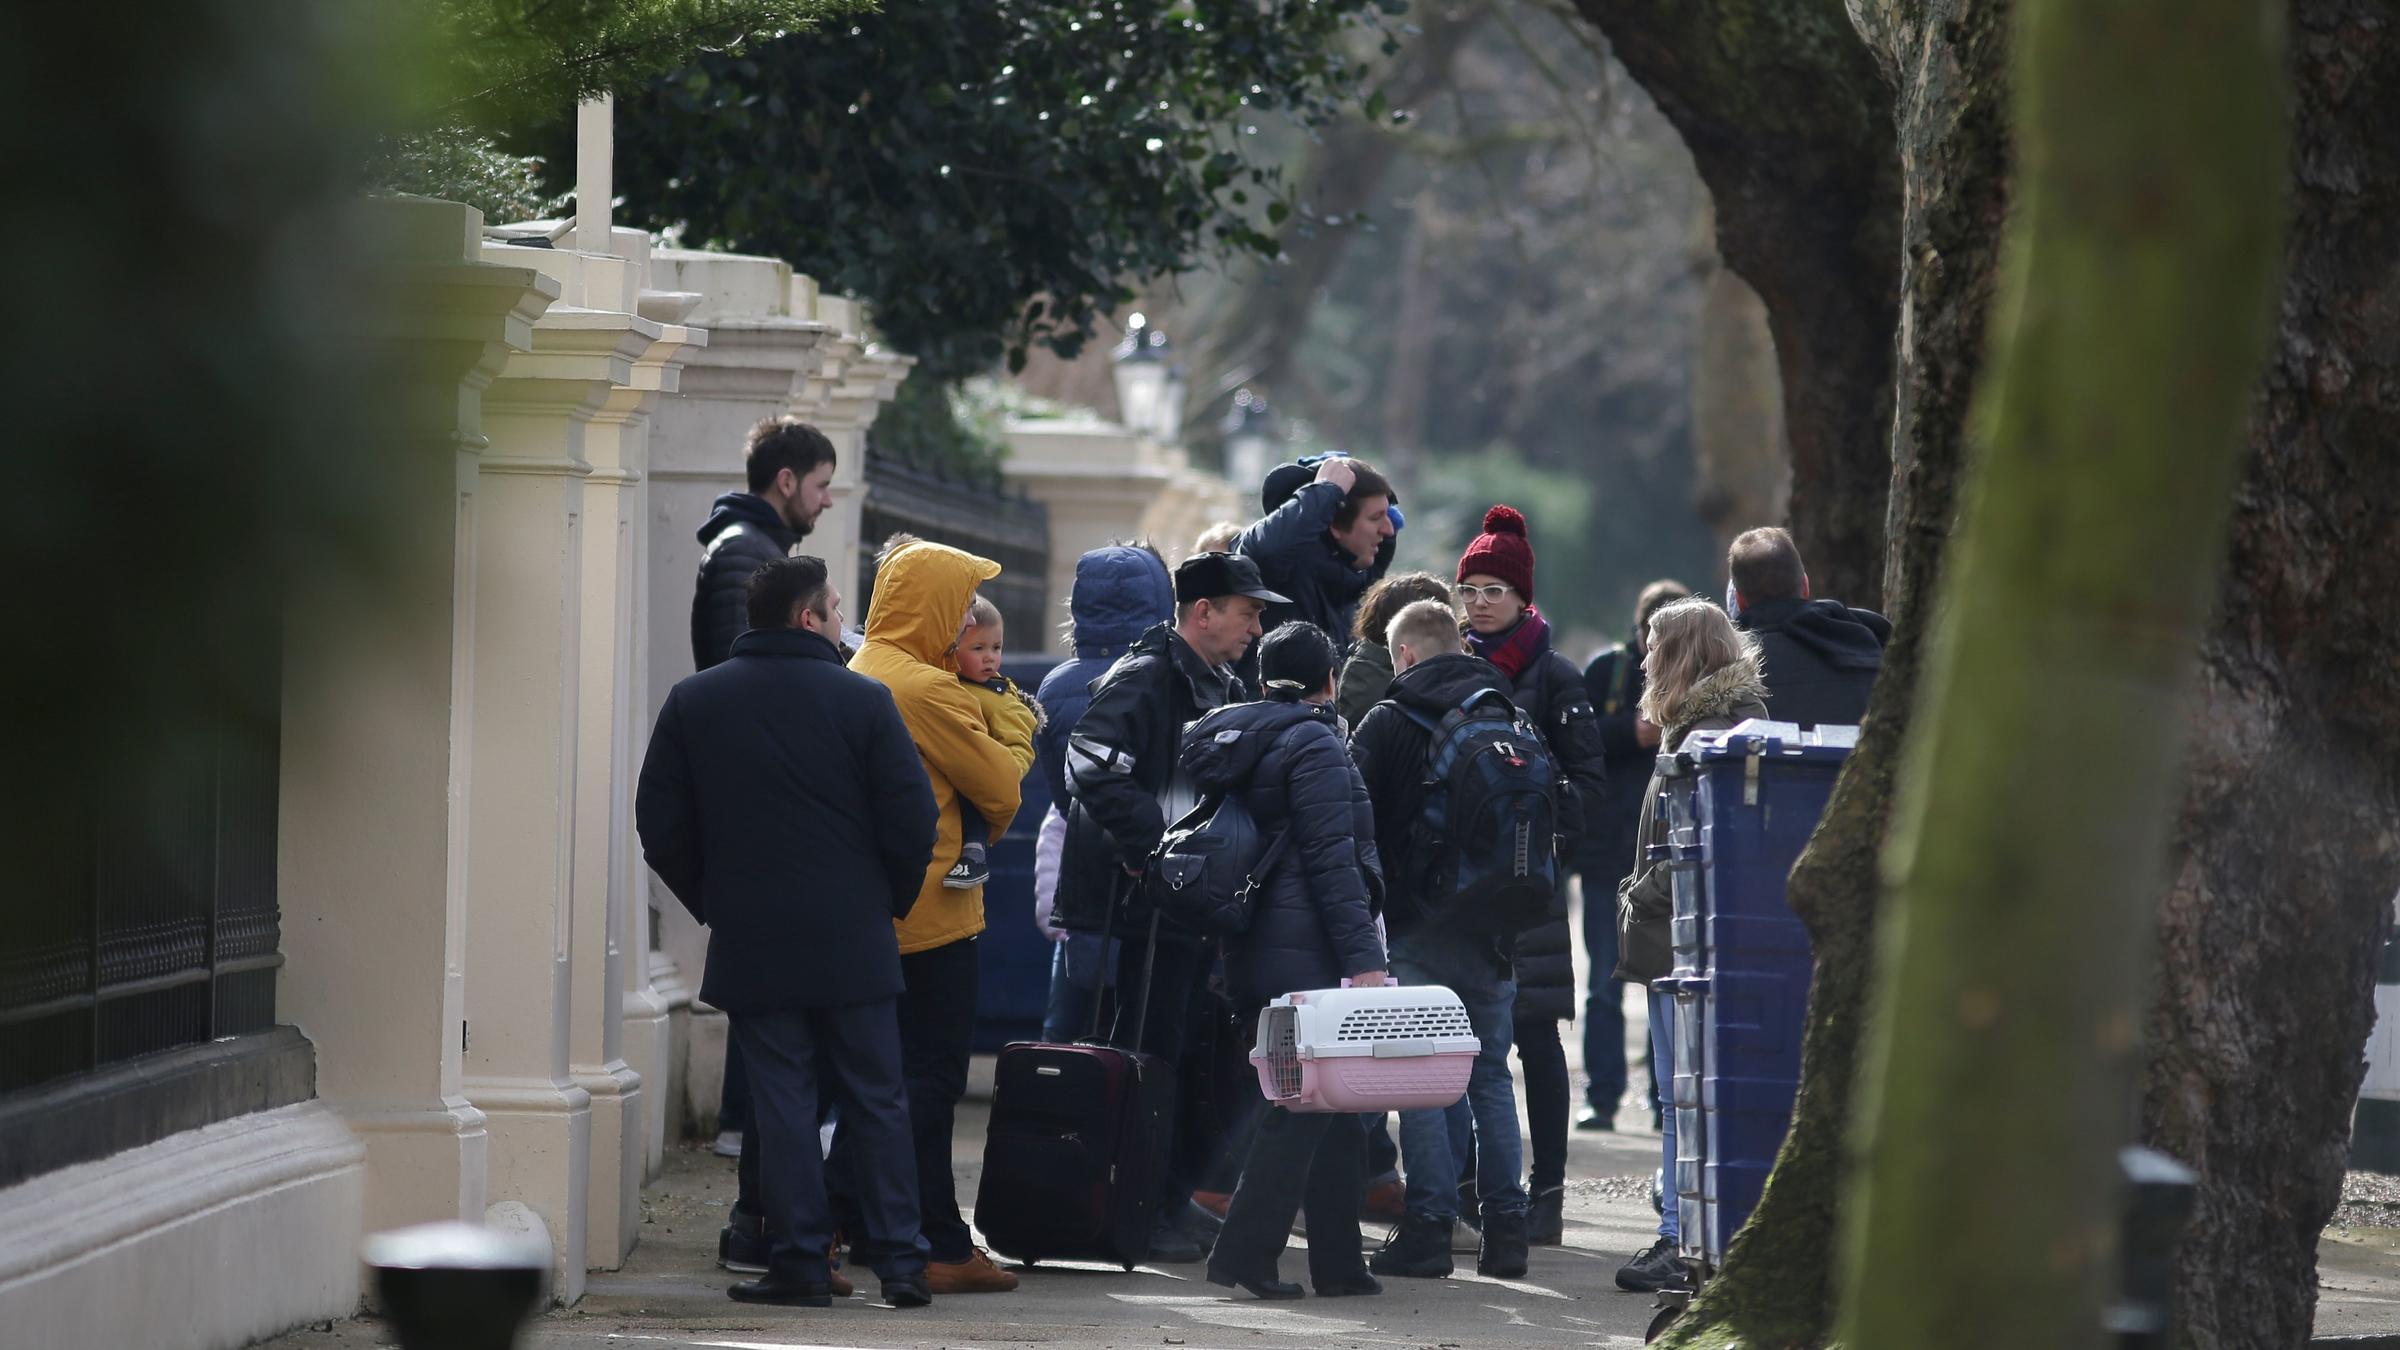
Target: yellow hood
921, 598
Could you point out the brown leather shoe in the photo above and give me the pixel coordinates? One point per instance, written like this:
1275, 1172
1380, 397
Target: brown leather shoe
975, 1275
840, 1285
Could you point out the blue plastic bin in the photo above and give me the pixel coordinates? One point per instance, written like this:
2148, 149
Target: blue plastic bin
1013, 965
1740, 806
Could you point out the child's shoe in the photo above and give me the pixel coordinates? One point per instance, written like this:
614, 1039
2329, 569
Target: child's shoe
974, 868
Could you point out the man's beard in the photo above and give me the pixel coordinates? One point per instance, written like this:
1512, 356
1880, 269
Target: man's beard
798, 526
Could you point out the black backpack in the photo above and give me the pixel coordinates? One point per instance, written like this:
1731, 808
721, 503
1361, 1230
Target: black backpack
1209, 867
1488, 846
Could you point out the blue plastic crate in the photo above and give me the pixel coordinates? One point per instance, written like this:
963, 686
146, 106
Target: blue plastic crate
1753, 796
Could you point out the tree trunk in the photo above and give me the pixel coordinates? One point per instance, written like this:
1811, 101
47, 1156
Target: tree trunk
2288, 848
2139, 270
1788, 121
1776, 1287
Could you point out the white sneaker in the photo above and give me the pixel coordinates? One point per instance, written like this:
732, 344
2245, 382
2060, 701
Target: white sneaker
728, 1145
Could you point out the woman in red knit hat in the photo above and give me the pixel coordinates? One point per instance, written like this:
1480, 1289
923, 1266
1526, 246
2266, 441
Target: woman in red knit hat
1495, 583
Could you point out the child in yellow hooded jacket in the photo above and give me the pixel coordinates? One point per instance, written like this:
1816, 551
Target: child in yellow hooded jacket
1010, 715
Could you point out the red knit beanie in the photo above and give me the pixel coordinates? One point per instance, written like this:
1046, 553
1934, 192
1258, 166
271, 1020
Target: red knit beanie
1502, 551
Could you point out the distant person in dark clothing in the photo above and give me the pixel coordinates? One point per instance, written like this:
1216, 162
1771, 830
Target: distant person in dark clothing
1325, 539
1506, 628
790, 469
1615, 683
1821, 656
1121, 592
783, 802
1367, 674
1312, 925
789, 465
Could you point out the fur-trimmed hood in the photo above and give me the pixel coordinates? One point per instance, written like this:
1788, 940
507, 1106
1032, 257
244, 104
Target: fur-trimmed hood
1737, 691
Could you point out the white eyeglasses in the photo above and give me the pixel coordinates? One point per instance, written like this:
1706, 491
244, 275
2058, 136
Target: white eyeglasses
1490, 595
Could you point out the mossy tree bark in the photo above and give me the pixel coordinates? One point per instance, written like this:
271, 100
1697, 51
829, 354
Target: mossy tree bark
1788, 121
2287, 850
2138, 275
2286, 855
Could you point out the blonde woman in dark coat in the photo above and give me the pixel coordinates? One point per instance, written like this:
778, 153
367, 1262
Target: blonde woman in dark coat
1702, 675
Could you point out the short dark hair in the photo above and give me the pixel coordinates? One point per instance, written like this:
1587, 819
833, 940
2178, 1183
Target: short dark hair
1655, 596
779, 443
1765, 565
1368, 484
783, 583
1391, 595
1295, 661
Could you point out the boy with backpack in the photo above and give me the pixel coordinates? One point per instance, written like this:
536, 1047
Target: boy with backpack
1465, 819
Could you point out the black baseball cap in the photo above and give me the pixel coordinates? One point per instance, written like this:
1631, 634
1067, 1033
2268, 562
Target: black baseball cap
1212, 576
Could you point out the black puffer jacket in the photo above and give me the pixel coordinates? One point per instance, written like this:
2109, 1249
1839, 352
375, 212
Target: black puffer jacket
1615, 681
1550, 690
1390, 748
1120, 763
743, 534
1820, 656
1313, 921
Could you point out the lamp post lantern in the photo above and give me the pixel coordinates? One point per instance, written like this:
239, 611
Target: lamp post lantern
1150, 387
1253, 439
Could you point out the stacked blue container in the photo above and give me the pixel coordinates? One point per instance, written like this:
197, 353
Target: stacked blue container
1740, 806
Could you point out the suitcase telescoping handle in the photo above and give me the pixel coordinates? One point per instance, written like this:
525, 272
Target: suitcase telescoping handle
1121, 891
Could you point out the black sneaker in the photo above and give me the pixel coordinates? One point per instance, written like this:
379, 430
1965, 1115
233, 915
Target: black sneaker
783, 1290
1592, 1119
742, 1244
973, 869
1546, 1218
1419, 1249
1176, 1246
907, 1291
1504, 1255
1652, 1270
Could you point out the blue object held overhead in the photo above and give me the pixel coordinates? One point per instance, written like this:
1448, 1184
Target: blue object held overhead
1739, 805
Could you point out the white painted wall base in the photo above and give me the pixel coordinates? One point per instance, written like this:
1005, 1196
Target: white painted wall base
612, 1204
646, 1054
207, 1240
704, 1071
542, 1156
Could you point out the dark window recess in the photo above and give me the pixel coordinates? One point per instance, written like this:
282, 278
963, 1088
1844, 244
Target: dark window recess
1007, 528
160, 927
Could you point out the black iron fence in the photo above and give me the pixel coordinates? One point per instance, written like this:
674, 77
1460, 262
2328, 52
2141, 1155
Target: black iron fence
156, 927
989, 521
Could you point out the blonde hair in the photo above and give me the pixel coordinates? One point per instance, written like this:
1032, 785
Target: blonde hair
1428, 628
1690, 640
1218, 538
983, 614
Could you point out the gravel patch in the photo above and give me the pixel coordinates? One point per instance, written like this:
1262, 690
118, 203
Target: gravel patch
2369, 1200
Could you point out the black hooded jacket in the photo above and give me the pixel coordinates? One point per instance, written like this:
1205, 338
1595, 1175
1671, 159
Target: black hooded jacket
743, 534
1299, 560
1821, 658
1390, 749
1313, 921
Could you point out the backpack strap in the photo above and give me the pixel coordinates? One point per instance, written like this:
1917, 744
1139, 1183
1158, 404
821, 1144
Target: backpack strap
1268, 860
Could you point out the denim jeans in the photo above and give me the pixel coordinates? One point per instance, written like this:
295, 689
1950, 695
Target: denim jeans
1479, 977
1662, 1056
1604, 999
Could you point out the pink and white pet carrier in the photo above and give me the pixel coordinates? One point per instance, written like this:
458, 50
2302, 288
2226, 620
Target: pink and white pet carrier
1388, 1048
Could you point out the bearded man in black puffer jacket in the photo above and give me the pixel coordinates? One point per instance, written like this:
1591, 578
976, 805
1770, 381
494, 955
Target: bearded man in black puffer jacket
789, 465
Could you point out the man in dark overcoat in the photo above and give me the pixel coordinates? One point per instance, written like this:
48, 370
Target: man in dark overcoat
784, 804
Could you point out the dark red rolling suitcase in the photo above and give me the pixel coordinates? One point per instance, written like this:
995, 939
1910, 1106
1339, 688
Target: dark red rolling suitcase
1073, 1159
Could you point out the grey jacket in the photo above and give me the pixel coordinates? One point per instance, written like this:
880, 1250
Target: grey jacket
1646, 899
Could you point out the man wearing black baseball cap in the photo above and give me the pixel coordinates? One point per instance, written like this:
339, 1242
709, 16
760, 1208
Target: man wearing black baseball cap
1127, 788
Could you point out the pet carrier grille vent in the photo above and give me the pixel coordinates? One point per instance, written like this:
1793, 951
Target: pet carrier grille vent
1283, 1051
1422, 1022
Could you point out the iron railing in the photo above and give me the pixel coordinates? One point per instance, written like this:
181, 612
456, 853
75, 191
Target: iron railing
1007, 528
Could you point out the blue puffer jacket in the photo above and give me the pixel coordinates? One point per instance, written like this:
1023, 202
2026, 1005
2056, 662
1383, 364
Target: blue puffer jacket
1120, 594
1313, 921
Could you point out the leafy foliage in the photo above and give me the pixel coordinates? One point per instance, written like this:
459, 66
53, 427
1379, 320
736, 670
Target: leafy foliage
930, 425
990, 173
507, 62
462, 166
